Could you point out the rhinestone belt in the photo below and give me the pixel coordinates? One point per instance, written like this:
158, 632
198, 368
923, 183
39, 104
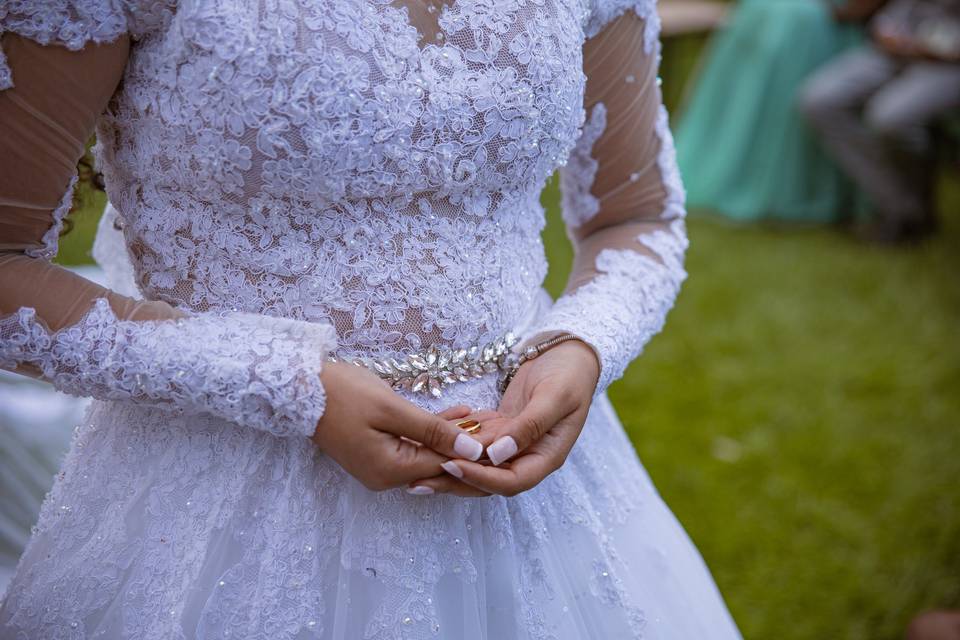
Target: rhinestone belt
428, 372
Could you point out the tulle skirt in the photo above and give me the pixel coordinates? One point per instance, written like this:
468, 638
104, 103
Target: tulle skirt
164, 525
171, 526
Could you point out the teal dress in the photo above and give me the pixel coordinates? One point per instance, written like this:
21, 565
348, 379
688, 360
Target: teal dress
742, 145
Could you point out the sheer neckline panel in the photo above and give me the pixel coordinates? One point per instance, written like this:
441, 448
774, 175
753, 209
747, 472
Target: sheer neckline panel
424, 16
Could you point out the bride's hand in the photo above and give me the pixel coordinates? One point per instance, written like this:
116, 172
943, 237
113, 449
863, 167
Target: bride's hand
539, 420
364, 425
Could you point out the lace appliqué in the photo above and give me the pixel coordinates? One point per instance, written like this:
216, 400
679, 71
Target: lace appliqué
675, 203
51, 239
69, 23
355, 178
606, 11
577, 177
6, 77
110, 252
253, 370
619, 310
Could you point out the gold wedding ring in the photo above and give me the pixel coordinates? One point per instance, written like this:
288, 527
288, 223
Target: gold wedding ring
469, 427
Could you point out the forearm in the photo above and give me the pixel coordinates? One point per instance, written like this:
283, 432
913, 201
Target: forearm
257, 371
622, 299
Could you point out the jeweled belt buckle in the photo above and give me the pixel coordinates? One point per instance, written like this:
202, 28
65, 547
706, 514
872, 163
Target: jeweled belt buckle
428, 372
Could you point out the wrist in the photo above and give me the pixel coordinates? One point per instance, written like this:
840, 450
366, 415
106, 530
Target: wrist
571, 341
554, 341
587, 353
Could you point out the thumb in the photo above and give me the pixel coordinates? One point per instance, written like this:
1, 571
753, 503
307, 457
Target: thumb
544, 410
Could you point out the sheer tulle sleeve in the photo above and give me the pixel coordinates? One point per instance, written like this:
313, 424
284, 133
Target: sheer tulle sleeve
62, 62
623, 201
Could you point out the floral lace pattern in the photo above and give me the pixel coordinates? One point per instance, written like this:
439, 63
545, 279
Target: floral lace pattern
50, 240
603, 12
576, 178
110, 252
256, 371
72, 24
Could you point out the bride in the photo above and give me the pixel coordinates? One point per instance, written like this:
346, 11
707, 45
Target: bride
345, 407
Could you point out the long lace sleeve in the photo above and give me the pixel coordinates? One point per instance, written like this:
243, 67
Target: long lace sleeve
62, 62
623, 202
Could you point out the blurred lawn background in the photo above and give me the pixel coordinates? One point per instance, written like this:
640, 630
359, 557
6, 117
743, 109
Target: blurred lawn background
800, 413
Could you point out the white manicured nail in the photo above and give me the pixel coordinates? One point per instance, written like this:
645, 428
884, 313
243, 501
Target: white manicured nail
467, 447
502, 450
452, 468
419, 490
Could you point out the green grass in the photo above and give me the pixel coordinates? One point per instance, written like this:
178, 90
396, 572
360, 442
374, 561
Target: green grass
76, 243
801, 415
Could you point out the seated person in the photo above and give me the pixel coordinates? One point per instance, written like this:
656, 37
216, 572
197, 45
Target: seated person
872, 107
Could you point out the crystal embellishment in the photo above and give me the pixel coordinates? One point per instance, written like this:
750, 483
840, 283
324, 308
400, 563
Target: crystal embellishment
428, 372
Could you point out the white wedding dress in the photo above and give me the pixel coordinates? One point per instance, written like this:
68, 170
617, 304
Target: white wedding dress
300, 178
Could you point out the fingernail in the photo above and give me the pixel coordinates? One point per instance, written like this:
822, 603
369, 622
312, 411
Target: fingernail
502, 450
467, 447
419, 490
452, 468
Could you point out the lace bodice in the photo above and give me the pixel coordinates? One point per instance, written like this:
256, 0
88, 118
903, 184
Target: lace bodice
355, 164
319, 165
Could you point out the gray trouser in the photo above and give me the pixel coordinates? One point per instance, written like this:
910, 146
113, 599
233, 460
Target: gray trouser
873, 112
